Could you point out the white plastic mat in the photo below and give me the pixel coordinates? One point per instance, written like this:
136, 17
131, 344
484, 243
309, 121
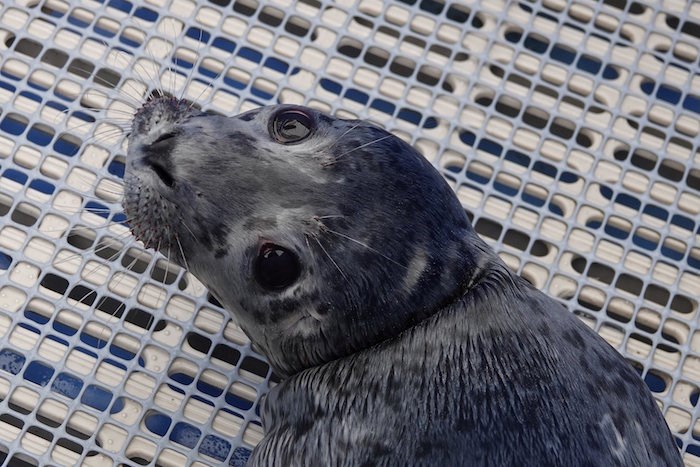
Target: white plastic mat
568, 129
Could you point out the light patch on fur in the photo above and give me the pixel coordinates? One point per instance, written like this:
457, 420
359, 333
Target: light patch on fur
617, 445
304, 325
415, 269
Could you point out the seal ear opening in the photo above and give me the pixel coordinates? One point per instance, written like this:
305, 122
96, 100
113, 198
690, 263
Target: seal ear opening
276, 267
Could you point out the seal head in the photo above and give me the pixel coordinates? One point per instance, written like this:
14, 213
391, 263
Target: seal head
316, 232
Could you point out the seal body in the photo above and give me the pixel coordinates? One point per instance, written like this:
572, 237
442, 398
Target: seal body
400, 336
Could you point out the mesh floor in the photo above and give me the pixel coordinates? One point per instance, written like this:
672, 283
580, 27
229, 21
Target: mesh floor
568, 129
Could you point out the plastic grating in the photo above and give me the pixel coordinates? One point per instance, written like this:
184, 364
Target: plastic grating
568, 129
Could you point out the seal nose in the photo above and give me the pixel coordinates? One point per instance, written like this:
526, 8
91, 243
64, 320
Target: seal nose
164, 137
157, 156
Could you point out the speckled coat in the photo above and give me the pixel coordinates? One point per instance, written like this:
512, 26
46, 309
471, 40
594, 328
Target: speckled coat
403, 339
462, 389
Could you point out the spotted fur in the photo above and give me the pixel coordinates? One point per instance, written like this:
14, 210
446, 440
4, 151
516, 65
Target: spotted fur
405, 341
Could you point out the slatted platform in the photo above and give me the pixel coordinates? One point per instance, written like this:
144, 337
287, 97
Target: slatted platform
569, 131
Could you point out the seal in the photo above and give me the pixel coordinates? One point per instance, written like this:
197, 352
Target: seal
399, 335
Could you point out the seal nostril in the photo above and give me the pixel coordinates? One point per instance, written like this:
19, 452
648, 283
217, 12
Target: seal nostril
164, 137
163, 174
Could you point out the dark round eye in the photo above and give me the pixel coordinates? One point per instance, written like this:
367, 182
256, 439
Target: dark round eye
276, 267
290, 126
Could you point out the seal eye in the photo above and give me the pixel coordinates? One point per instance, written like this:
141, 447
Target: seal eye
291, 126
276, 267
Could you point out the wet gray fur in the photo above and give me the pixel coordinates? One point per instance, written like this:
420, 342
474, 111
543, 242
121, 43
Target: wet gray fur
406, 341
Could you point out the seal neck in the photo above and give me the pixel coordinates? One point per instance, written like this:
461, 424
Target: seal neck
450, 273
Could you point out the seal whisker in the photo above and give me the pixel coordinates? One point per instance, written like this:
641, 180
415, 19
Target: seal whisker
102, 136
366, 246
100, 247
120, 54
182, 252
329, 256
343, 134
122, 306
101, 81
358, 147
184, 224
162, 293
87, 229
209, 86
85, 276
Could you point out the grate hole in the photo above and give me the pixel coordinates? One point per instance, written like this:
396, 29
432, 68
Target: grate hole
297, 26
245, 7
693, 180
165, 272
11, 420
29, 48
630, 284
108, 248
107, 78
226, 354
111, 306
81, 237
81, 68
350, 47
619, 4
140, 318
671, 170
136, 260
41, 433
403, 66
643, 159
5, 204
68, 145
656, 381
508, 106
601, 273
583, 138
199, 342
458, 13
255, 366
488, 228
271, 16
70, 445
14, 124
657, 294
539, 248
55, 283
683, 304
50, 422
83, 295
213, 300
26, 214
485, 98
9, 40
516, 239
40, 134
535, 117
377, 57
312, 4
429, 75
22, 460
563, 128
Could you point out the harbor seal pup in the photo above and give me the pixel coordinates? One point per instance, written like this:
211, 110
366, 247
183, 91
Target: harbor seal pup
400, 336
